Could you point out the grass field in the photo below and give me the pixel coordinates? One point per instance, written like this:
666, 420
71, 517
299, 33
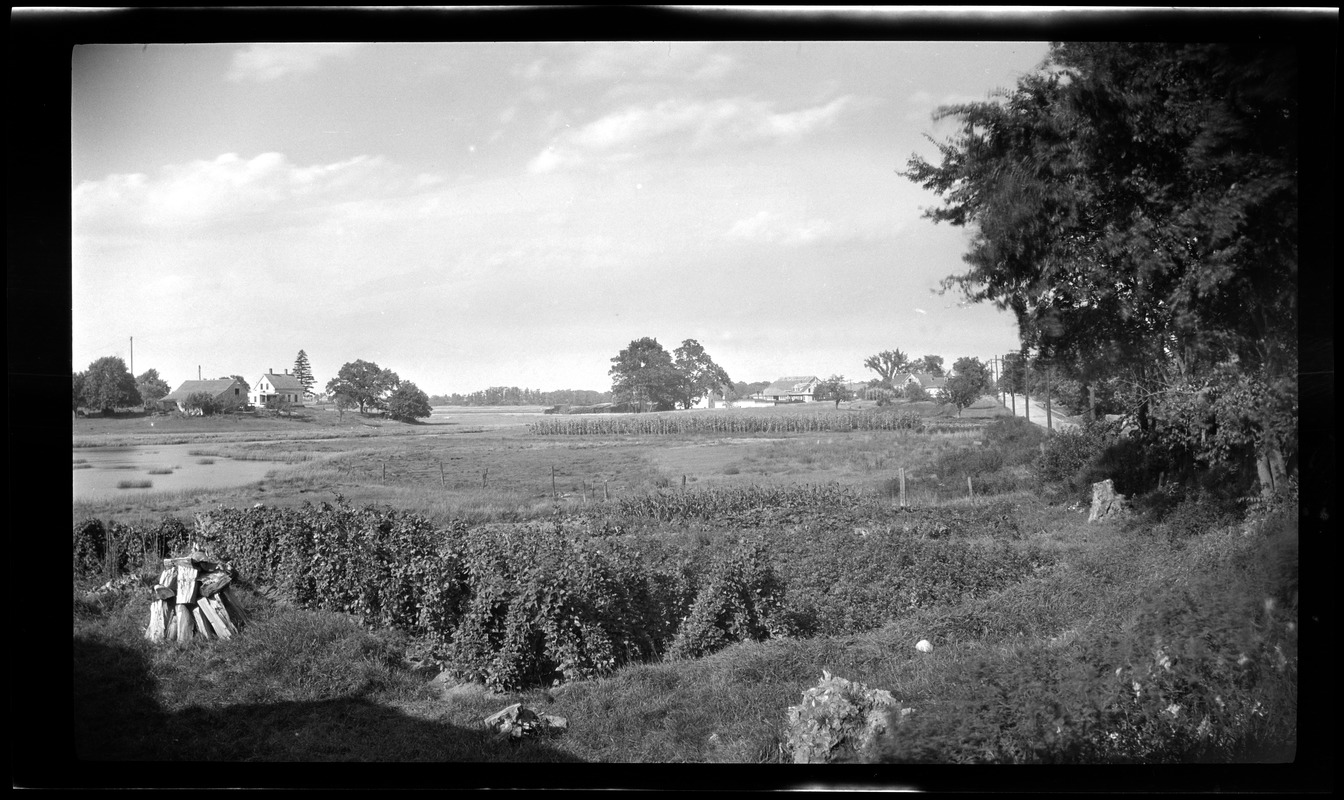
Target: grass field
312, 685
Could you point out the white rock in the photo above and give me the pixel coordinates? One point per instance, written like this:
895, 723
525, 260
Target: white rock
924, 646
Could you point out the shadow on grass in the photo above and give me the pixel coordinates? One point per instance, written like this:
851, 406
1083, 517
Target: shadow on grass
118, 719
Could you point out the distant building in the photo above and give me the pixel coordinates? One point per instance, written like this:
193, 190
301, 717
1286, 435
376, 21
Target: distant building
228, 392
284, 388
798, 389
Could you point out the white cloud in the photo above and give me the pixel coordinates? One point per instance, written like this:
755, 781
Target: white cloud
267, 62
264, 190
763, 226
682, 124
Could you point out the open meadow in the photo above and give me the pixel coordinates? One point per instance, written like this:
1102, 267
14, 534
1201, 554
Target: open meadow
673, 592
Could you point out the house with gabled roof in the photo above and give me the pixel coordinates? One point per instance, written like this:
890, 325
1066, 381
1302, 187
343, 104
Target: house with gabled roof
227, 392
800, 388
282, 388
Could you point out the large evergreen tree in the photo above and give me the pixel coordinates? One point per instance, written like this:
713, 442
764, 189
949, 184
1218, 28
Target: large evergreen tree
1135, 205
303, 372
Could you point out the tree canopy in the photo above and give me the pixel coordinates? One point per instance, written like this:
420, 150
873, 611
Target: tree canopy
407, 403
700, 375
643, 375
887, 364
930, 364
363, 384
108, 385
833, 388
969, 382
151, 387
1135, 206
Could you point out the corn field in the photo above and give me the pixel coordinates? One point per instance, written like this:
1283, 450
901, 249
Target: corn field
650, 424
718, 503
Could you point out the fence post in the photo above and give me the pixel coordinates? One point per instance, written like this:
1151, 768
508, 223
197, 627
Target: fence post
902, 487
442, 481
970, 488
552, 480
605, 496
483, 474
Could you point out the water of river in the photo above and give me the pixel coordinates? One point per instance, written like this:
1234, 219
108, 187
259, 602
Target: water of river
99, 470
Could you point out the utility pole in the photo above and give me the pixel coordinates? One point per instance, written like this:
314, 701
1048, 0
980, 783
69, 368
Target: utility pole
132, 356
1026, 386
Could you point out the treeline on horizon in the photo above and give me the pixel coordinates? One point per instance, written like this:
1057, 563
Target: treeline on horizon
513, 396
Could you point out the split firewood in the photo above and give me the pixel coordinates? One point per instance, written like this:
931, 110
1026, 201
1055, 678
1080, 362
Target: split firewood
236, 613
202, 624
174, 563
164, 592
184, 622
158, 620
186, 584
213, 610
169, 578
213, 582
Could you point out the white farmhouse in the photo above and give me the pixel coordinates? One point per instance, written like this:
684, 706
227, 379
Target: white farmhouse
284, 388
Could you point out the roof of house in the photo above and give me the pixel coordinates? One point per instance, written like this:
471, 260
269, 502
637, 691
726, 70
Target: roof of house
794, 385
213, 388
285, 381
929, 379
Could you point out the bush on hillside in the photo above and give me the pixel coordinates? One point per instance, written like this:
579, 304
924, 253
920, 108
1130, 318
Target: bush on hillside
739, 600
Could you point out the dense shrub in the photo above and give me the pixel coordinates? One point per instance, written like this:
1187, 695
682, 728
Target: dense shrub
1017, 439
544, 605
90, 548
1069, 452
739, 600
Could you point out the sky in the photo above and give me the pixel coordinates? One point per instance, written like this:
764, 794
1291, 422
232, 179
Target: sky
479, 214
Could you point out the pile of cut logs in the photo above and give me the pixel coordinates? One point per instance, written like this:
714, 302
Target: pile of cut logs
192, 600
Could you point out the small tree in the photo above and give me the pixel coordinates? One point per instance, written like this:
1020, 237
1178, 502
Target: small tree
970, 382
151, 387
77, 381
833, 388
408, 403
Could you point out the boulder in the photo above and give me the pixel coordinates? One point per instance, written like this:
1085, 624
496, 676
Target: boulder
1105, 501
518, 721
924, 646
837, 720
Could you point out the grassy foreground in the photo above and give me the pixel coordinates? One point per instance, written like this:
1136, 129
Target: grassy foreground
1037, 665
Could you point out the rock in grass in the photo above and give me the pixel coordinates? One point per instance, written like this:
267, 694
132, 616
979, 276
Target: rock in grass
518, 721
837, 720
924, 646
1105, 501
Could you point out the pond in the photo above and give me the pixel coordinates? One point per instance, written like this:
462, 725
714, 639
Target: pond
104, 471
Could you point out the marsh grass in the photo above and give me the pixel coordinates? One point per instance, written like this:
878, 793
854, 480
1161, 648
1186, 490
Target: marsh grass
160, 472
139, 484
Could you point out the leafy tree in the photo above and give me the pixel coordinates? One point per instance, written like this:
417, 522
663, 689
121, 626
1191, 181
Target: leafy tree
303, 372
700, 374
833, 388
407, 403
930, 364
108, 385
1135, 205
151, 387
887, 364
970, 381
643, 374
364, 384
